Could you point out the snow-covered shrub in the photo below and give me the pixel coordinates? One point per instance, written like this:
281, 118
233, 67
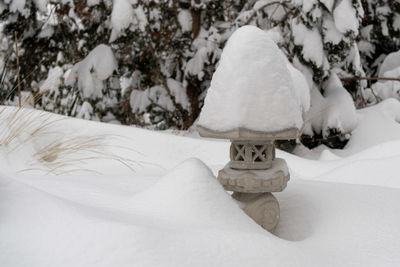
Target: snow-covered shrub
379, 34
172, 60
92, 71
83, 87
167, 52
319, 37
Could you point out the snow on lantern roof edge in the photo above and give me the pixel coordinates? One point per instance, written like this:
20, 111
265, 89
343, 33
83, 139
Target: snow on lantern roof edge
242, 133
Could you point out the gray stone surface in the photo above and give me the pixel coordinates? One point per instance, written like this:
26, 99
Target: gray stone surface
253, 171
255, 181
246, 134
251, 155
263, 208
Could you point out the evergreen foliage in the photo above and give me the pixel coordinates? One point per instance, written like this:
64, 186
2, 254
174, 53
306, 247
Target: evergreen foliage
167, 51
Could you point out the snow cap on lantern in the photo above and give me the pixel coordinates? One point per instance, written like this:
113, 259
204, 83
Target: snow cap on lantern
255, 93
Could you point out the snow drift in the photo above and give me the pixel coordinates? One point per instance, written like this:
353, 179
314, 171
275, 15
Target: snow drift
340, 209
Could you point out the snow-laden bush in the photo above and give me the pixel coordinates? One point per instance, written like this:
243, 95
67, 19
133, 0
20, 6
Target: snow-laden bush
168, 51
92, 71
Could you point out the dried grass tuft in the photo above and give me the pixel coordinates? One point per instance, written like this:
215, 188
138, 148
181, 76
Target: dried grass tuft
19, 127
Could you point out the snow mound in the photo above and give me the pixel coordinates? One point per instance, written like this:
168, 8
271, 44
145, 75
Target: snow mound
190, 194
384, 116
177, 218
253, 87
184, 217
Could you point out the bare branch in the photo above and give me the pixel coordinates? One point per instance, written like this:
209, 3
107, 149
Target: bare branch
356, 78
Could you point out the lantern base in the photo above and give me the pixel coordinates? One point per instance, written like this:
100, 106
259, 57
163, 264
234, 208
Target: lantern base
255, 181
263, 208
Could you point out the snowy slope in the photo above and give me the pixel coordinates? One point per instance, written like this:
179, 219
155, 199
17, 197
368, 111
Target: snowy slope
339, 209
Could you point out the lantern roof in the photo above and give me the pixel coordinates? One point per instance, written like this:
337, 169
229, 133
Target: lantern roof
247, 134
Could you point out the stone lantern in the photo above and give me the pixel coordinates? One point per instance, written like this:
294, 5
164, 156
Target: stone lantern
252, 101
254, 172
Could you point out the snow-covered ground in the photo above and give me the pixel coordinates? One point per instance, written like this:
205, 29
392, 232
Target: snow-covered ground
82, 193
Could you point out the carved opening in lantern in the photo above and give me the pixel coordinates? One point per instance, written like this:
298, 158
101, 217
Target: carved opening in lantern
251, 154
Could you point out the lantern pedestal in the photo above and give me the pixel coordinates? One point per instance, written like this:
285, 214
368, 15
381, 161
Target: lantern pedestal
263, 208
253, 188
253, 172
